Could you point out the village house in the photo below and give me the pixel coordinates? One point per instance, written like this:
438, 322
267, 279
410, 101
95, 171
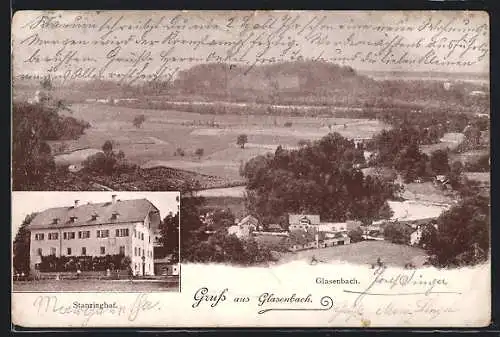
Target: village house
116, 227
326, 234
416, 235
302, 221
245, 227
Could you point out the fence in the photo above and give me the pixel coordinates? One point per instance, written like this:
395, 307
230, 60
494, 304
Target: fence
115, 274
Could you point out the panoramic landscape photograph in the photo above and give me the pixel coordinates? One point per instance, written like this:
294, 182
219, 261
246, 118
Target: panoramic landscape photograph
310, 158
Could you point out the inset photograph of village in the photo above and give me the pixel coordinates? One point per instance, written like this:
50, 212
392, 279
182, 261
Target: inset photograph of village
95, 241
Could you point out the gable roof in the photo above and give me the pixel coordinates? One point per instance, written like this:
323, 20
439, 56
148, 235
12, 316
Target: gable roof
249, 219
128, 211
294, 219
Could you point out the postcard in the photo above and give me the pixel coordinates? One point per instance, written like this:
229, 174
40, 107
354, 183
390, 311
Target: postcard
251, 169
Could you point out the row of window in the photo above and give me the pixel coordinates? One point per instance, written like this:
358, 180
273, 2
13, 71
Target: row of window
137, 252
69, 251
101, 233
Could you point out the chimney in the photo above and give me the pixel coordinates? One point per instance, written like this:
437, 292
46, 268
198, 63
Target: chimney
113, 199
77, 202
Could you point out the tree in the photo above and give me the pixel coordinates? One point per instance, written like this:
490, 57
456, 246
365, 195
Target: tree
356, 235
439, 162
179, 151
106, 162
242, 140
303, 143
139, 120
21, 246
411, 162
199, 152
107, 147
397, 233
169, 236
463, 233
482, 164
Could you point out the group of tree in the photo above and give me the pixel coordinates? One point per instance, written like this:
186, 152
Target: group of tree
200, 242
320, 178
462, 236
33, 125
400, 149
108, 162
482, 164
396, 232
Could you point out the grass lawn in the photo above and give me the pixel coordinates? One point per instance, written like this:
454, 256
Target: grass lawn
364, 253
95, 286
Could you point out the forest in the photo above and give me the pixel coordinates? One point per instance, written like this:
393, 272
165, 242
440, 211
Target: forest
319, 178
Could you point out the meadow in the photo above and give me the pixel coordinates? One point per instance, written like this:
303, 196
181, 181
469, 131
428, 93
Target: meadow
155, 142
364, 253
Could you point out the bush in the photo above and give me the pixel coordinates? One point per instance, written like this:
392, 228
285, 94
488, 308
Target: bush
356, 235
397, 233
179, 152
52, 263
288, 124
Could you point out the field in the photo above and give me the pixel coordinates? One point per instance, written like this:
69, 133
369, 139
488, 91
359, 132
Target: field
95, 285
427, 192
450, 140
365, 253
164, 131
236, 205
469, 156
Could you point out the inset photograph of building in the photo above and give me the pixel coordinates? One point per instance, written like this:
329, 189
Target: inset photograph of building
95, 241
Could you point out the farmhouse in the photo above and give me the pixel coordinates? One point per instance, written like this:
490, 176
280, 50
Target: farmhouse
302, 221
326, 233
245, 227
124, 227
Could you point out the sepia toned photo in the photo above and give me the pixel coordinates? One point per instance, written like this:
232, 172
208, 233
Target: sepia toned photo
327, 161
101, 242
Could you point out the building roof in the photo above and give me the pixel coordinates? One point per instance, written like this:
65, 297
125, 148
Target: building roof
128, 211
294, 219
274, 226
249, 219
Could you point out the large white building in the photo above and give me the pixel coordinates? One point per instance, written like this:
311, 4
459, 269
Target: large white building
116, 227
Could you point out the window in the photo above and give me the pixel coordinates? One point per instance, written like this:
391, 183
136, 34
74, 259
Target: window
52, 251
122, 250
149, 239
103, 233
84, 234
135, 233
103, 250
142, 236
53, 236
39, 252
39, 236
122, 232
69, 235
69, 251
142, 252
84, 251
